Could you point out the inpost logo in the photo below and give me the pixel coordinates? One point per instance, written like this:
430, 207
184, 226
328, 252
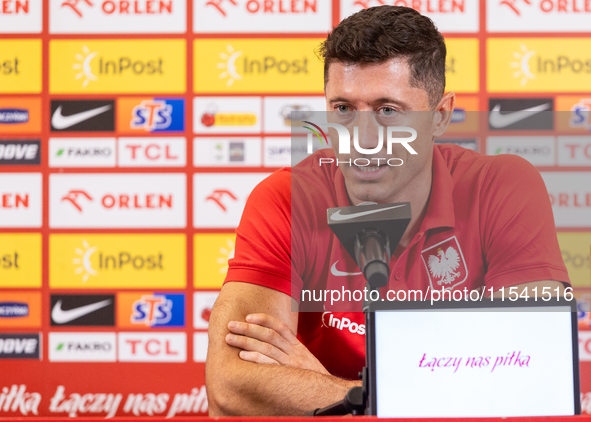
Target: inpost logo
538, 65
117, 66
111, 261
211, 254
20, 260
262, 65
462, 65
575, 254
20, 66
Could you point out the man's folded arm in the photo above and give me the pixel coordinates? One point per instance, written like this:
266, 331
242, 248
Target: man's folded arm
239, 387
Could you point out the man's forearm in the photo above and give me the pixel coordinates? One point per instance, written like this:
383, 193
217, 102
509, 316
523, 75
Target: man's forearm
260, 389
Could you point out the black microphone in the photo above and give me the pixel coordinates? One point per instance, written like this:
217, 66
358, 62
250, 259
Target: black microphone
370, 234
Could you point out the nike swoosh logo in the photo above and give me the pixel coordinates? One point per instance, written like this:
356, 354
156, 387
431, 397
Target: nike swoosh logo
60, 121
498, 120
61, 317
338, 217
334, 271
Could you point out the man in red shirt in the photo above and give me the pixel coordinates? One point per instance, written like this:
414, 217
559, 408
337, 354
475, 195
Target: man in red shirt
492, 213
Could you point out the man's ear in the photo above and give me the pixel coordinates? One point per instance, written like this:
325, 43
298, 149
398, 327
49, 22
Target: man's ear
443, 113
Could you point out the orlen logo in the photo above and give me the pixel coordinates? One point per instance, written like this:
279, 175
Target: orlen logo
15, 7
117, 16
127, 201
247, 16
137, 115
117, 200
109, 7
219, 196
264, 6
521, 7
330, 321
20, 17
449, 16
147, 310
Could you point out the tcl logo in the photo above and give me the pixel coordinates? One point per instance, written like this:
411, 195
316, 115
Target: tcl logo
157, 347
150, 152
574, 151
122, 201
120, 7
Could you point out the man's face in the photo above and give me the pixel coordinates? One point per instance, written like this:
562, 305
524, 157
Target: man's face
383, 96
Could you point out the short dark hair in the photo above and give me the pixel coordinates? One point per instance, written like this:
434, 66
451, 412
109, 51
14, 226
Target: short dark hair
378, 34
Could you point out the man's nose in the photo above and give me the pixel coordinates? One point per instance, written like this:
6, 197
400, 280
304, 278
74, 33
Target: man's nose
368, 131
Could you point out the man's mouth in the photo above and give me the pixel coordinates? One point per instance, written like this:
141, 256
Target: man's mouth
369, 168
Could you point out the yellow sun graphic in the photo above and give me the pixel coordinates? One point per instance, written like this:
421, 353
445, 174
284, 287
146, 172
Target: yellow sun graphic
84, 66
83, 263
229, 65
522, 65
227, 254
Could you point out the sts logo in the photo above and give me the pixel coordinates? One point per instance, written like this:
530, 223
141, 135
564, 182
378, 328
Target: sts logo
146, 310
581, 114
141, 115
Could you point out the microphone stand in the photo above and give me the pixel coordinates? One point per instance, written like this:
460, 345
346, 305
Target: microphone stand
355, 402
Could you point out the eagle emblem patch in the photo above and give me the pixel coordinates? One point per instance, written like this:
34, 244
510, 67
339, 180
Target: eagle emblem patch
445, 264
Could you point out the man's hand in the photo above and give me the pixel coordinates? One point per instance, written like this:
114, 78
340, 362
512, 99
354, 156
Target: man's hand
265, 339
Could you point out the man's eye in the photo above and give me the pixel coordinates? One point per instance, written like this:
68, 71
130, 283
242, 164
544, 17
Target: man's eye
387, 111
343, 108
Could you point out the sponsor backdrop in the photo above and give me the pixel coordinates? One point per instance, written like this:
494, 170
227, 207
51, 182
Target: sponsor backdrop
132, 132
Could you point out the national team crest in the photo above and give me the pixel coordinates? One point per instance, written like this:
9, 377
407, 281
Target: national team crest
445, 264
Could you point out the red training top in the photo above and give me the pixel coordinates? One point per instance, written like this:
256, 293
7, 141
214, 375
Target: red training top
489, 216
